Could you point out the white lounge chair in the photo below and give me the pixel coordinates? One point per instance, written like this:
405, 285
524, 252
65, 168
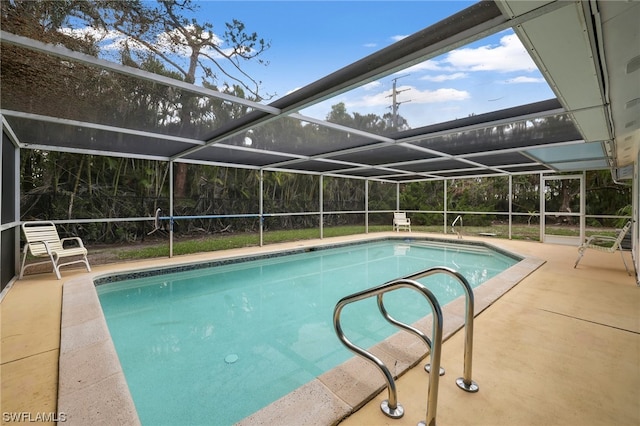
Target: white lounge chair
605, 244
400, 220
43, 241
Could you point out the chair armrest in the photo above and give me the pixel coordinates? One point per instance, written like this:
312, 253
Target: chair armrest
600, 238
76, 239
44, 243
602, 241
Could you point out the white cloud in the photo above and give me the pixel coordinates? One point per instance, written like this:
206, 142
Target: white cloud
509, 56
524, 79
371, 45
372, 86
445, 77
436, 96
409, 94
430, 65
114, 40
108, 38
398, 37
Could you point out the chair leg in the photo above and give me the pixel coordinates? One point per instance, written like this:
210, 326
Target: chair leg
580, 254
86, 262
24, 259
56, 268
625, 262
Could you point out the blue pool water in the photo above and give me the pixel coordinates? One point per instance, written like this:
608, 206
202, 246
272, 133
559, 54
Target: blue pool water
213, 345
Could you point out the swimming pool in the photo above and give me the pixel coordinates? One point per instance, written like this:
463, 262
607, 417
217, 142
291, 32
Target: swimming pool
184, 341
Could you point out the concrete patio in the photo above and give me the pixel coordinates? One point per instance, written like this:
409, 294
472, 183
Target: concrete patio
560, 348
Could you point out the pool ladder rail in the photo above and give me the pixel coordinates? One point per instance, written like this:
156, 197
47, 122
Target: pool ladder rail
390, 406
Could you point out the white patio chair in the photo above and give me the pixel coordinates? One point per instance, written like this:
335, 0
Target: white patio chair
605, 244
400, 220
43, 241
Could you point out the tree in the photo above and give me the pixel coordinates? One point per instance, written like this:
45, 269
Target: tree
339, 115
605, 197
368, 122
43, 21
155, 37
162, 31
186, 45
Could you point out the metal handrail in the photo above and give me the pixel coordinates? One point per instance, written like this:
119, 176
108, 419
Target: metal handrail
391, 407
453, 226
406, 327
465, 382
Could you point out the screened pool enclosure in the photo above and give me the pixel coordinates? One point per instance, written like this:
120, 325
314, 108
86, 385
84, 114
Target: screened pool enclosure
59, 100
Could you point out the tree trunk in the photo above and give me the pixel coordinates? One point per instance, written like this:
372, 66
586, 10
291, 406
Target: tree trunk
180, 184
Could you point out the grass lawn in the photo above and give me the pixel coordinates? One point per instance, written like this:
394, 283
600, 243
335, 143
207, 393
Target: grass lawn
187, 245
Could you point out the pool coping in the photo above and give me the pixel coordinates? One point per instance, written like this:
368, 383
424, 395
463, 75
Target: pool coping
93, 389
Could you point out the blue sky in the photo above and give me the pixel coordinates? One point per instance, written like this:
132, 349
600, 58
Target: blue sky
311, 39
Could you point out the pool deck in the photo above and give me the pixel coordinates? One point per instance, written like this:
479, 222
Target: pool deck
560, 348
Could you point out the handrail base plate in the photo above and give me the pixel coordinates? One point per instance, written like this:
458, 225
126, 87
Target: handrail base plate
472, 387
394, 413
427, 368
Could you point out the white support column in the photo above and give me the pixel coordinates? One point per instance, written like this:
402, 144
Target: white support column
321, 200
366, 206
541, 201
583, 206
261, 219
635, 235
510, 203
171, 208
444, 210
